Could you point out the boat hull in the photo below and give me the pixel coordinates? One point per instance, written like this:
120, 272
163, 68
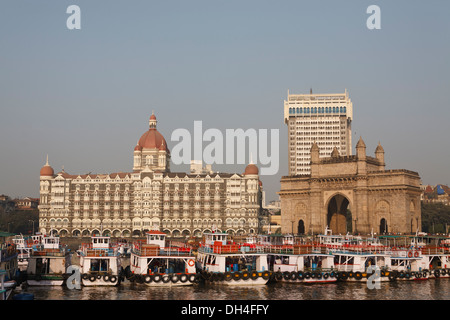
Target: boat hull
238, 278
305, 277
100, 280
170, 280
46, 281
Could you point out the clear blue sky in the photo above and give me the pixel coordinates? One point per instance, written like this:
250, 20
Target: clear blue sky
84, 96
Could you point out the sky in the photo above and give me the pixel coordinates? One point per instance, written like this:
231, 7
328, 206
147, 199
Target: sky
83, 97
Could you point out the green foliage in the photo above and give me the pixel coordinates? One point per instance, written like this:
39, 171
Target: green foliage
435, 217
18, 221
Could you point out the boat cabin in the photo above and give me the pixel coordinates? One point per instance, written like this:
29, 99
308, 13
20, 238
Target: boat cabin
19, 241
276, 239
215, 238
99, 242
50, 242
157, 238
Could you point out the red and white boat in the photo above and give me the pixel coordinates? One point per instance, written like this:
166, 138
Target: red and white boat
157, 264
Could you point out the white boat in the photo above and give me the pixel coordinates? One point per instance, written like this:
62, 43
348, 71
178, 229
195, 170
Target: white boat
223, 262
302, 264
408, 264
156, 263
48, 262
361, 264
100, 262
434, 252
24, 248
438, 261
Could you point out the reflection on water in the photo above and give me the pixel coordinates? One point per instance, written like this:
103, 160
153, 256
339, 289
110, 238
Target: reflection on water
401, 290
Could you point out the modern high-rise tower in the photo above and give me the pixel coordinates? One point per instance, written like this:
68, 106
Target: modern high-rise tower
322, 118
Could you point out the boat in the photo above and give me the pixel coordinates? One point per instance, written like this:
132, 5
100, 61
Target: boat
100, 262
362, 264
435, 254
24, 248
407, 263
225, 262
302, 263
9, 265
5, 289
156, 263
48, 262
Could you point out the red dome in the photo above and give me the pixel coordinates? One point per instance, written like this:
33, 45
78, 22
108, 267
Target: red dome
152, 139
251, 169
47, 171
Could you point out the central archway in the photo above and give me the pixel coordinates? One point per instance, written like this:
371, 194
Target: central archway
339, 215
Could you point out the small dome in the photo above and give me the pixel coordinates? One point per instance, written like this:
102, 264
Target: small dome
251, 169
379, 148
360, 143
46, 170
138, 148
335, 153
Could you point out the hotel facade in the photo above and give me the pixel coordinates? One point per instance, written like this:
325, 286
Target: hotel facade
150, 197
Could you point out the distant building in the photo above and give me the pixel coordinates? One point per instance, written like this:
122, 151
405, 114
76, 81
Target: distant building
27, 203
325, 119
435, 194
150, 197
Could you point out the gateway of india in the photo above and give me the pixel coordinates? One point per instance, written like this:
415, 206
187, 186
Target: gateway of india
338, 190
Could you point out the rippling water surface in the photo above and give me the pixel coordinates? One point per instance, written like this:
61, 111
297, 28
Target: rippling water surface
433, 289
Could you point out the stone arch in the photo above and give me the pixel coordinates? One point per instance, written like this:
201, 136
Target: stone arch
337, 213
382, 215
300, 218
383, 226
176, 233
301, 227
116, 233
126, 233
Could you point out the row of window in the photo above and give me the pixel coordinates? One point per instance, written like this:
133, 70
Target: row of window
315, 110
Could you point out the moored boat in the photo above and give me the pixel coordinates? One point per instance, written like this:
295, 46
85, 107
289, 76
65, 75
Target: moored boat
302, 263
100, 262
48, 262
24, 248
157, 263
224, 262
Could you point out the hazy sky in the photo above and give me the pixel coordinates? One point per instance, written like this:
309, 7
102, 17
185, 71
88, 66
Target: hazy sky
84, 97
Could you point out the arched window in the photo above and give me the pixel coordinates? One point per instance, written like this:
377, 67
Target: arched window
301, 227
383, 226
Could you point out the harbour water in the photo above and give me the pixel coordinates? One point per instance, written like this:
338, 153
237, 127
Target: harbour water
432, 289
